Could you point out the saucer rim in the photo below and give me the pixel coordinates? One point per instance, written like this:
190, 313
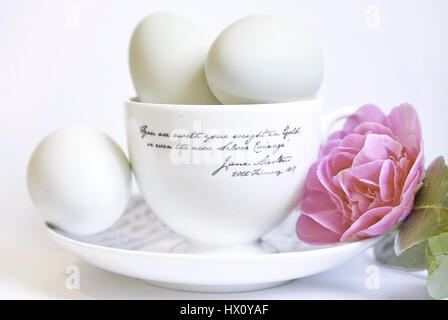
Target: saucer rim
251, 256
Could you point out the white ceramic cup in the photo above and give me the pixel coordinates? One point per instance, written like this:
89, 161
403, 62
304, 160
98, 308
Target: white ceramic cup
224, 175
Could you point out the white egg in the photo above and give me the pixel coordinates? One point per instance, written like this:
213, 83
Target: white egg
167, 56
264, 59
79, 180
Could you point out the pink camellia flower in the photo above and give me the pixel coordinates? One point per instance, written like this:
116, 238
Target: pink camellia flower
365, 178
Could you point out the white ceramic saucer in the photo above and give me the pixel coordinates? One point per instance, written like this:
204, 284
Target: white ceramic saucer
139, 245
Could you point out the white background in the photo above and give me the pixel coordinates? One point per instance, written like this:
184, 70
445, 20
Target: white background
66, 62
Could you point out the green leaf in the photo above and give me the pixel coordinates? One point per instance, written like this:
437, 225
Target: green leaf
430, 214
437, 264
412, 259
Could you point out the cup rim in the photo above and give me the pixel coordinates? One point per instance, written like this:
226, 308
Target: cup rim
133, 101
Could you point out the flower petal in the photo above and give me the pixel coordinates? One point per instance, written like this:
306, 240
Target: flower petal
328, 147
406, 126
367, 113
320, 207
415, 171
368, 172
312, 180
387, 181
365, 221
388, 221
378, 147
341, 160
354, 141
310, 231
373, 127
